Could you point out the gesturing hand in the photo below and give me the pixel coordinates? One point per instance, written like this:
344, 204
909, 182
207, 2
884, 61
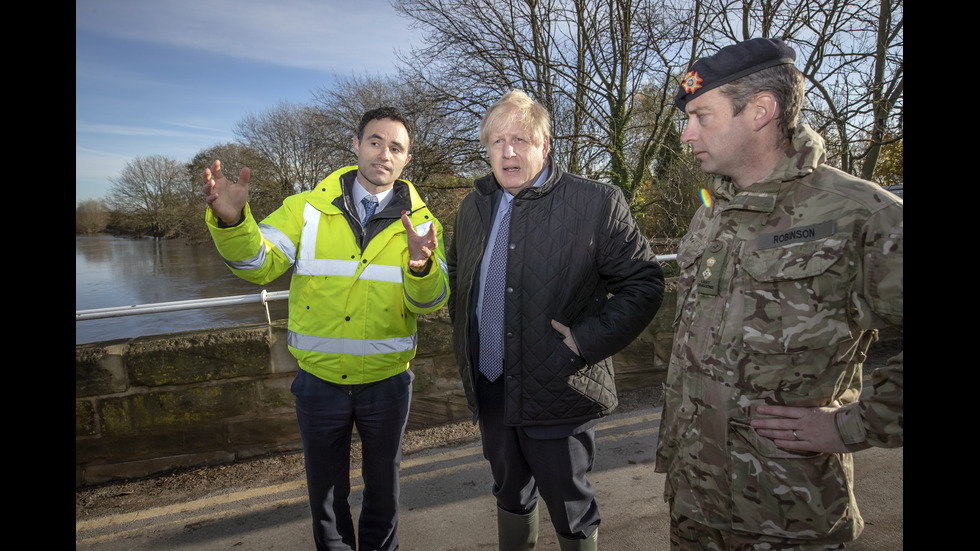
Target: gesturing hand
420, 247
225, 197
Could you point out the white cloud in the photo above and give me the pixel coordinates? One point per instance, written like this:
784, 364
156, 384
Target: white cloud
143, 86
180, 130
323, 35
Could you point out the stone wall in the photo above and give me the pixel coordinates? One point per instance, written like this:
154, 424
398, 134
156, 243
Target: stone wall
156, 403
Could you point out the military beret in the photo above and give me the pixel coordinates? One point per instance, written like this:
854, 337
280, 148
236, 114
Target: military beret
731, 63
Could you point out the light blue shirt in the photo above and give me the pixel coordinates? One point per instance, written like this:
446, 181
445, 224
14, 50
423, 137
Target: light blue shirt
359, 193
494, 227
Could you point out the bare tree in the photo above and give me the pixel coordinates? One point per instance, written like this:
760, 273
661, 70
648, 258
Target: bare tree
152, 194
607, 69
888, 84
436, 148
442, 154
91, 217
852, 54
266, 190
586, 61
291, 137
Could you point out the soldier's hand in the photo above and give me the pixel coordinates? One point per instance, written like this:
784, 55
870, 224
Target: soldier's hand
226, 198
803, 429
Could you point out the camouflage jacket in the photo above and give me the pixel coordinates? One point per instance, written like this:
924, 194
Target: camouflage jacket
783, 286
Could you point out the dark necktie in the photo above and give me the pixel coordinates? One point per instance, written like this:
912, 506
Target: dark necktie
370, 206
492, 314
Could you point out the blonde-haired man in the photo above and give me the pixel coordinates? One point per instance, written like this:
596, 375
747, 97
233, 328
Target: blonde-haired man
549, 278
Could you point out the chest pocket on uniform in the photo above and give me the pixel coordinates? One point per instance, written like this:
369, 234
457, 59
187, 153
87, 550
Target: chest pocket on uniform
796, 297
688, 255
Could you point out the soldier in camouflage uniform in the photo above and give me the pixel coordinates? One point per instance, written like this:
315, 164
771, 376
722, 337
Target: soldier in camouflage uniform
788, 270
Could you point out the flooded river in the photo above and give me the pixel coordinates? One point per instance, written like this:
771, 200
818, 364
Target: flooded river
113, 271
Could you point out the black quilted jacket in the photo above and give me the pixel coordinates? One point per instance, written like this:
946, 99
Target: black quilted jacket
579, 258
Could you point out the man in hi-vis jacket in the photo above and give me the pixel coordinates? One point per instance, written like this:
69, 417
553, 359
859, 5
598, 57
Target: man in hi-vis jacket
367, 260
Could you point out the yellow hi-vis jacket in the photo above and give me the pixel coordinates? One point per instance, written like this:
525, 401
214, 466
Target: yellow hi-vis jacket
352, 308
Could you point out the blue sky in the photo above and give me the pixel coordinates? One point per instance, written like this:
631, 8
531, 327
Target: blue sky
172, 77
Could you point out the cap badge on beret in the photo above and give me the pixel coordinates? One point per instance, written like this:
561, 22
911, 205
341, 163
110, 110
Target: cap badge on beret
730, 64
692, 81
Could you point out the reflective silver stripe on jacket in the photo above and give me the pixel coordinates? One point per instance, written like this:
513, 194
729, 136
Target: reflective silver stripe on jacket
307, 264
272, 235
427, 304
253, 263
311, 224
323, 267
348, 268
442, 264
279, 241
355, 347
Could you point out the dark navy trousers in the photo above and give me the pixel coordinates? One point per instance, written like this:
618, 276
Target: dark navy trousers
327, 415
548, 461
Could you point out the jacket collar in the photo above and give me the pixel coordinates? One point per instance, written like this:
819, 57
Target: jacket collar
804, 154
334, 194
337, 191
487, 185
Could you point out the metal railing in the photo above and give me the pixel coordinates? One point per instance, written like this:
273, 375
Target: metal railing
116, 311
263, 297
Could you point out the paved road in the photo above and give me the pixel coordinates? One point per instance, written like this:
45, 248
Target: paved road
446, 504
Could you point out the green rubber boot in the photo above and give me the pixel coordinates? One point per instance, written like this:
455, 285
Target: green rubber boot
517, 532
590, 543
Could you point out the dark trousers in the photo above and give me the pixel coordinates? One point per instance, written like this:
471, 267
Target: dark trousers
327, 415
552, 464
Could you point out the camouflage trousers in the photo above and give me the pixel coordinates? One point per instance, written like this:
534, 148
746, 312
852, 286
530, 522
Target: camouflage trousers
689, 535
